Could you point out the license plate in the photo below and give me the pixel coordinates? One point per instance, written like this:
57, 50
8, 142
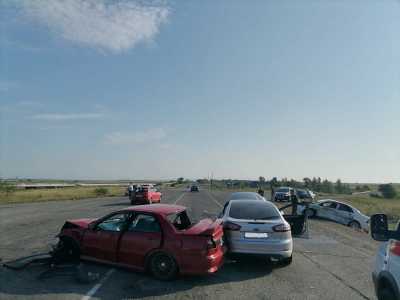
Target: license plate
255, 235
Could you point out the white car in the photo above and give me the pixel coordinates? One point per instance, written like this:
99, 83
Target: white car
339, 212
386, 273
282, 194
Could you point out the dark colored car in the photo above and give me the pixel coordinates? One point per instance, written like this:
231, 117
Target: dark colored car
159, 238
194, 188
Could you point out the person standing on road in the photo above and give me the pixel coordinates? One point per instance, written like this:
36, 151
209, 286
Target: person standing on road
260, 192
294, 200
130, 190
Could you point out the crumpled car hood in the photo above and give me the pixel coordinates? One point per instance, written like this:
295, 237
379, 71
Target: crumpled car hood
83, 223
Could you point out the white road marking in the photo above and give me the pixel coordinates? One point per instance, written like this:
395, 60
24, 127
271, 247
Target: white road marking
94, 289
179, 198
213, 199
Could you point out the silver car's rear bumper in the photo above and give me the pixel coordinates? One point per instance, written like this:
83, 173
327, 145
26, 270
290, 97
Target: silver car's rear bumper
278, 248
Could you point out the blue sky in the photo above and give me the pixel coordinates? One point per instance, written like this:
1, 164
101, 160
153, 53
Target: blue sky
162, 89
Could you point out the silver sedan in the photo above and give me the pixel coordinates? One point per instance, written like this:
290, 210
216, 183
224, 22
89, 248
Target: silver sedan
339, 212
257, 227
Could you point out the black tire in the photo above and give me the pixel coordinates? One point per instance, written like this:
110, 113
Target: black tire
355, 225
311, 213
163, 266
286, 261
67, 250
386, 293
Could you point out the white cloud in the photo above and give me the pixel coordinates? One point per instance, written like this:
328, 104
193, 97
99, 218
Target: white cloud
138, 137
114, 26
66, 117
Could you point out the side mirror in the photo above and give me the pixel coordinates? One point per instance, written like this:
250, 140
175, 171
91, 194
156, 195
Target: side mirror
379, 227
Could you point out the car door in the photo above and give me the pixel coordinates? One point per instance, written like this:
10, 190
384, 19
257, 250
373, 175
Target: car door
143, 234
101, 241
327, 210
344, 214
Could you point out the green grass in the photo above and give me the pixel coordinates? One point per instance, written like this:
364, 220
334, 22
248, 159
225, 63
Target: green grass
71, 193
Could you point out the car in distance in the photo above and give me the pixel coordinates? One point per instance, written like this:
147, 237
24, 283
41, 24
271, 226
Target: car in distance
159, 238
254, 227
337, 211
194, 188
305, 194
283, 194
386, 272
145, 194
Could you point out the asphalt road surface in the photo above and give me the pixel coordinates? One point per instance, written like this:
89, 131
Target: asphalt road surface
333, 262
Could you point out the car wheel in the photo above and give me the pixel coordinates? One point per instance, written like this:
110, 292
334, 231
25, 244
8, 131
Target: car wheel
163, 266
286, 261
66, 250
309, 212
355, 225
386, 293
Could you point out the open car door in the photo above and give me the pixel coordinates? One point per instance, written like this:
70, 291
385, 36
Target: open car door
296, 223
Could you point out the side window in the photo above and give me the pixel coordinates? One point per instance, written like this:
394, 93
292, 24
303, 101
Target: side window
328, 204
333, 205
144, 223
343, 207
115, 222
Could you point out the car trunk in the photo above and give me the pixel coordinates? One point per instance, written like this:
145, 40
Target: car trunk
209, 229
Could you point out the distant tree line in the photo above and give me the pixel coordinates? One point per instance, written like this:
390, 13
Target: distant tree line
316, 184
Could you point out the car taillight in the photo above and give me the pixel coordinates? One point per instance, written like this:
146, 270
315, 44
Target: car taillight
394, 247
211, 244
231, 226
281, 227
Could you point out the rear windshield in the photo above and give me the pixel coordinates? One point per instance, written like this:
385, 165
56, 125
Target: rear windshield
180, 221
254, 210
283, 190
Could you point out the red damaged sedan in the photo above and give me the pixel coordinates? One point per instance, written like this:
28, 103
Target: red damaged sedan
159, 238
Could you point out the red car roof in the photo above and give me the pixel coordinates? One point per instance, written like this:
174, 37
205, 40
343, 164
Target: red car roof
162, 209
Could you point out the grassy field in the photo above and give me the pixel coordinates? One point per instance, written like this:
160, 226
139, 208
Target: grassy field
72, 193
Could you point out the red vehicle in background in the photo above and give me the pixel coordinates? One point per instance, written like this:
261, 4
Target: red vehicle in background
159, 238
145, 194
